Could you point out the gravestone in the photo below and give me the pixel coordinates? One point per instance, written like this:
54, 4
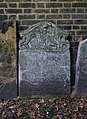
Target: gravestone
81, 68
44, 61
8, 74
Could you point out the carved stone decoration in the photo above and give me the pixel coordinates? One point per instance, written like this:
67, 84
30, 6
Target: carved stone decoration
44, 61
43, 36
81, 68
8, 68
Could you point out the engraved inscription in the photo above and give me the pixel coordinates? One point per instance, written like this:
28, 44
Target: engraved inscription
81, 69
84, 68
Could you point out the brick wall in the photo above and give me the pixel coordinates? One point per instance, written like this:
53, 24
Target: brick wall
71, 15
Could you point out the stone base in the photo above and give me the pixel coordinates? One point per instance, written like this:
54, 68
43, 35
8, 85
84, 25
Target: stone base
8, 91
43, 89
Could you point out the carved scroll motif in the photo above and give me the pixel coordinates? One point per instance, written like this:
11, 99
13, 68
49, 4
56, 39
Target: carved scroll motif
44, 36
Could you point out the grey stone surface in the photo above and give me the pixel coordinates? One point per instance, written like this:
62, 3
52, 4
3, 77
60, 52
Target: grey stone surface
44, 61
81, 69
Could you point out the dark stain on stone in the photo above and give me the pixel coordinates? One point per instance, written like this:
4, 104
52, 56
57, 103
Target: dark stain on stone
5, 25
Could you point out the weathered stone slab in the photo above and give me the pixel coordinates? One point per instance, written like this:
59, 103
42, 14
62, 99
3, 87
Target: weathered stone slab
8, 74
81, 68
44, 61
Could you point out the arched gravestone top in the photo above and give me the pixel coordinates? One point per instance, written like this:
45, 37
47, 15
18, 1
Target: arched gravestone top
44, 61
81, 68
44, 36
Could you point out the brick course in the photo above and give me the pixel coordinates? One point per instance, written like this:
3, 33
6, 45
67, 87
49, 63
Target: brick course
71, 15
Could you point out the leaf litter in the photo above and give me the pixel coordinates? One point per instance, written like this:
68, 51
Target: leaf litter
44, 108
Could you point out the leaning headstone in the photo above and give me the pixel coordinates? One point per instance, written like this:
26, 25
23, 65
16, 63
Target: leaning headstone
44, 61
8, 75
81, 68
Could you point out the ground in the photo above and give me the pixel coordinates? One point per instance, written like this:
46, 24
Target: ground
44, 108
